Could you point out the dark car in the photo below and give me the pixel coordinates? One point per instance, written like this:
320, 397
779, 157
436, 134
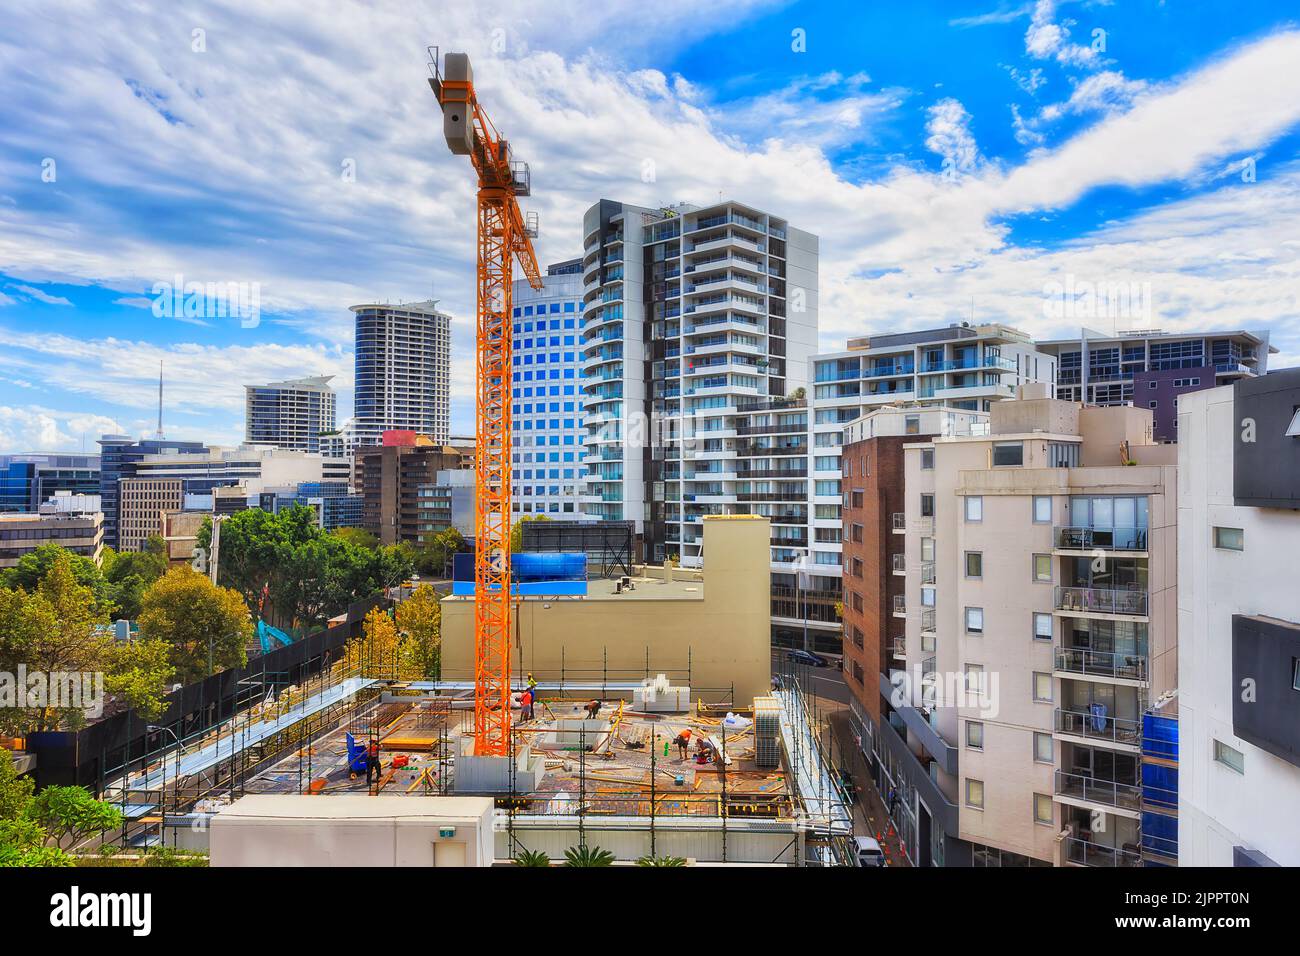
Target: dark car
807, 658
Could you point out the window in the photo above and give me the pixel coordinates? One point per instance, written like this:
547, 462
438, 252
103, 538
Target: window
974, 735
974, 564
857, 672
1043, 568
1295, 673
912, 424
927, 549
1042, 509
975, 793
1042, 686
1043, 810
975, 680
974, 620
1043, 748
1230, 757
927, 506
1230, 539
927, 459
1042, 626
1008, 453
974, 508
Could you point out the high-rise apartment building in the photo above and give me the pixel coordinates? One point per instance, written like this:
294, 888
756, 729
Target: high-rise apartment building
694, 316
875, 557
295, 414
1239, 624
142, 504
963, 367
1040, 630
403, 361
548, 475
1151, 368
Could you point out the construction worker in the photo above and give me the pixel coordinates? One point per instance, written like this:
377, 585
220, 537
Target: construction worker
532, 685
705, 752
372, 761
592, 709
526, 704
683, 742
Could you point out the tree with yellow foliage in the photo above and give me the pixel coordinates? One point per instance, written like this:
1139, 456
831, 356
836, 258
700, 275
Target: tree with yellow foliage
419, 620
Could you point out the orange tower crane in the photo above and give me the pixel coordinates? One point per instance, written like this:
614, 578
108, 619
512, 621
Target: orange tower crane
504, 234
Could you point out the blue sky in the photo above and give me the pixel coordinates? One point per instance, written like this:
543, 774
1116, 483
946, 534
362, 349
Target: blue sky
954, 158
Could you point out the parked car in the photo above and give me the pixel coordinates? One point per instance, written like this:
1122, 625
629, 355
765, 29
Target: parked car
807, 658
868, 851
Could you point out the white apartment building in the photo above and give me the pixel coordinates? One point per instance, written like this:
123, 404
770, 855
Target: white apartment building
699, 323
960, 366
1040, 624
296, 414
403, 367
1239, 624
548, 474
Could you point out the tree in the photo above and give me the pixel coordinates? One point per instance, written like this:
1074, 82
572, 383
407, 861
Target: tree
419, 619
587, 856
56, 628
358, 536
129, 574
140, 672
196, 619
517, 532
71, 814
375, 653
35, 565
15, 790
436, 550
306, 575
661, 861
532, 858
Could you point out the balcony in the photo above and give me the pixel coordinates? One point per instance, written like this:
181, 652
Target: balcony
900, 522
1084, 662
1087, 853
900, 647
1081, 600
899, 563
1122, 731
1103, 539
1111, 793
927, 572
900, 606
928, 621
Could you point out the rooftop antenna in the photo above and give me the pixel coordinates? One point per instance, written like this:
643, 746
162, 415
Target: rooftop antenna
160, 396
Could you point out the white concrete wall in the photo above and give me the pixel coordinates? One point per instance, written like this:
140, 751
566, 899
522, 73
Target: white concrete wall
1219, 808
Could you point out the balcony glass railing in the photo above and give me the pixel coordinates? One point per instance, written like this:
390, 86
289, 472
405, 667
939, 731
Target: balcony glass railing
928, 618
1106, 539
1087, 853
1099, 726
1112, 793
1101, 601
1090, 663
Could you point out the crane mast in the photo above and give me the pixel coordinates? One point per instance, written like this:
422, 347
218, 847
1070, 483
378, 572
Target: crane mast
504, 234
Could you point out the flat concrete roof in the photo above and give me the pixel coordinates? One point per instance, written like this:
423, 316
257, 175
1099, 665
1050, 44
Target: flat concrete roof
356, 807
603, 589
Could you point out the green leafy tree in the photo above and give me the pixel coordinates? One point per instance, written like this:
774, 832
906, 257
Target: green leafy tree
419, 618
196, 619
22, 843
587, 856
532, 858
129, 574
361, 537
140, 673
15, 790
517, 532
53, 628
306, 575
435, 553
33, 567
71, 814
661, 861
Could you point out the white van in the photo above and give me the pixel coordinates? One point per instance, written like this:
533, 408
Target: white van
868, 851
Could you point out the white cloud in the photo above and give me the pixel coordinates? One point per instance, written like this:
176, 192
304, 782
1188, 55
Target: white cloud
35, 428
948, 134
1047, 39
40, 295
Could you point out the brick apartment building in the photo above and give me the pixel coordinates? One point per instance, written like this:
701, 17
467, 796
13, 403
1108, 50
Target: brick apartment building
398, 482
875, 568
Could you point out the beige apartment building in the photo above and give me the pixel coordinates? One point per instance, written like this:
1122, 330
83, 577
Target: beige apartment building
1041, 614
